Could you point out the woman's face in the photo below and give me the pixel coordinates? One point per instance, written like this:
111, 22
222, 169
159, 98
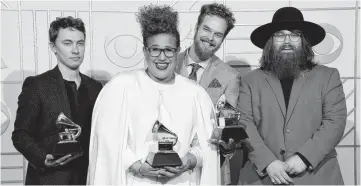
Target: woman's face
161, 57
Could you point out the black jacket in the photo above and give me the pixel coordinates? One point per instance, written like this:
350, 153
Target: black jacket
42, 99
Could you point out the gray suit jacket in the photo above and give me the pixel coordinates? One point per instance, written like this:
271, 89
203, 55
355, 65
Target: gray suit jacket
216, 69
312, 125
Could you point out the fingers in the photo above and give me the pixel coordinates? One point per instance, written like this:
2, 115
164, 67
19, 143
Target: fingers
213, 141
281, 178
153, 173
222, 143
288, 167
276, 180
171, 169
69, 159
58, 161
292, 171
49, 157
286, 177
230, 141
166, 173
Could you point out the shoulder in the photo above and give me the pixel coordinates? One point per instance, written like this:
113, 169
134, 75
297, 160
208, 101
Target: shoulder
42, 78
124, 79
324, 73
253, 75
225, 70
324, 69
92, 82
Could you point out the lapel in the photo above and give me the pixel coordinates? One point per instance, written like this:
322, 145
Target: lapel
295, 93
210, 71
59, 91
276, 87
181, 64
208, 74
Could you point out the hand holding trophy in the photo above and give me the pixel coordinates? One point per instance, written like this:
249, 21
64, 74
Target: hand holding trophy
165, 156
67, 145
229, 134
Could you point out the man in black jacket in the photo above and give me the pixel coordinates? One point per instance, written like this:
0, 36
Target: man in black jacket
60, 90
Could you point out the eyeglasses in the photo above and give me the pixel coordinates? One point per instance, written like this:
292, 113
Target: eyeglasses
280, 37
155, 52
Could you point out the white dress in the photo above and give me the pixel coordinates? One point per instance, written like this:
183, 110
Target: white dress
124, 115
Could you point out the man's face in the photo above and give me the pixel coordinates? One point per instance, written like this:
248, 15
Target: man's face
286, 42
69, 47
209, 36
161, 56
287, 54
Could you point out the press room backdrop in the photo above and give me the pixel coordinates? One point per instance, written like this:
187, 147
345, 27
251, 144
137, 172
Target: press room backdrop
114, 45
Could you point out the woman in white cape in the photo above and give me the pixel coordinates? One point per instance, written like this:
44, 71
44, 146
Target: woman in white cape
130, 104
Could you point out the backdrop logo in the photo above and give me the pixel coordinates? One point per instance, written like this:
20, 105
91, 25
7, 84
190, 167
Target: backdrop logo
330, 48
5, 118
124, 50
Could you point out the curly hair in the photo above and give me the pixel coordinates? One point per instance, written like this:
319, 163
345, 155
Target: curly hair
158, 19
65, 22
218, 10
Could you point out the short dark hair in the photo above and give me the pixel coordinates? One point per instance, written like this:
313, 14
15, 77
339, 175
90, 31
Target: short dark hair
65, 22
218, 10
158, 19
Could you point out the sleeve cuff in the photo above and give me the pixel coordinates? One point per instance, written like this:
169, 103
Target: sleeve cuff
305, 161
196, 151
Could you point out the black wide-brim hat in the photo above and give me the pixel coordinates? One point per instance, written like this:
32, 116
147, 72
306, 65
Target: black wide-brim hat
288, 18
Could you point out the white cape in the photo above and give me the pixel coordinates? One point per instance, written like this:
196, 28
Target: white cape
123, 117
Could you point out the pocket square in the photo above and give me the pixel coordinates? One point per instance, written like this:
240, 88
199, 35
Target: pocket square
214, 84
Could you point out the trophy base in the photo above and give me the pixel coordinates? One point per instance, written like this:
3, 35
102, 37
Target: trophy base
163, 159
236, 132
63, 149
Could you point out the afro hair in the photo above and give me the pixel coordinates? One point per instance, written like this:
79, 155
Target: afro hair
158, 19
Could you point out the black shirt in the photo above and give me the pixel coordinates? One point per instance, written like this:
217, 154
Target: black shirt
81, 109
286, 88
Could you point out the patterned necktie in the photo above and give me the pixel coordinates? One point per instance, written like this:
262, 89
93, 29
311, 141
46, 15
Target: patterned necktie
193, 74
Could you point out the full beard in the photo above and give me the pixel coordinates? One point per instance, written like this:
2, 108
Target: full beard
202, 53
285, 65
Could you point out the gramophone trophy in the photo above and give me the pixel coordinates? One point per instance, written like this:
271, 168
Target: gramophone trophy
69, 132
228, 125
165, 156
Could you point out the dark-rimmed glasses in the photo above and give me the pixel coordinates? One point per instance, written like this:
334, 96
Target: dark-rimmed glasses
155, 52
280, 37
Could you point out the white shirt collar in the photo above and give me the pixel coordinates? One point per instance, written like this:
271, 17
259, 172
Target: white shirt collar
190, 61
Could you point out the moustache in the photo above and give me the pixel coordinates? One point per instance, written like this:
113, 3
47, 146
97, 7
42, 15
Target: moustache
287, 47
205, 39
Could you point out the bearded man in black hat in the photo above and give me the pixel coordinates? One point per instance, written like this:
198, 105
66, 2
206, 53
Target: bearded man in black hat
294, 109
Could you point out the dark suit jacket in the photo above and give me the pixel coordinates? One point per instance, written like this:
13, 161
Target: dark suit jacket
312, 125
42, 99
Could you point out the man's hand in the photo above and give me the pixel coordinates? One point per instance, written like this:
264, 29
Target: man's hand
189, 161
227, 147
295, 165
276, 172
50, 161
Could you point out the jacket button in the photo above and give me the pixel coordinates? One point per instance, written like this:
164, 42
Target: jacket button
282, 152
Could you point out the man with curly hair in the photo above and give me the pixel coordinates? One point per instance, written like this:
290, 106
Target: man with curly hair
199, 62
132, 102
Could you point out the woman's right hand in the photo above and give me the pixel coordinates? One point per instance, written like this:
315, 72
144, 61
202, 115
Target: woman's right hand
145, 169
